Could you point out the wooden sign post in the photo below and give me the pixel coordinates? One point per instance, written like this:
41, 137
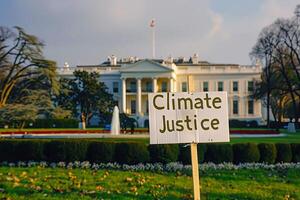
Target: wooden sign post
195, 170
189, 118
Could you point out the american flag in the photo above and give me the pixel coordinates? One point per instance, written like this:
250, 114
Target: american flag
152, 23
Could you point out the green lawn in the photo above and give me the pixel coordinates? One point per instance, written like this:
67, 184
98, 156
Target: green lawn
58, 183
289, 138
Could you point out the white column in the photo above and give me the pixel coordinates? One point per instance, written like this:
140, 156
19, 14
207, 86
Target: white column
154, 85
257, 108
124, 95
139, 97
174, 86
171, 85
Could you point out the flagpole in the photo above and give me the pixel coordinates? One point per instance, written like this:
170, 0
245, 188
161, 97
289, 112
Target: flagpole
153, 42
152, 25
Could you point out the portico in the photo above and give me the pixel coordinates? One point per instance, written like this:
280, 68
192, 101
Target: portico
138, 80
137, 89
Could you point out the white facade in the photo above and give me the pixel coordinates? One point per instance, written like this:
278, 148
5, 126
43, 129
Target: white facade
131, 80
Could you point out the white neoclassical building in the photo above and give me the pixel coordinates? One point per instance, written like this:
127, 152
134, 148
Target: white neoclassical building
130, 80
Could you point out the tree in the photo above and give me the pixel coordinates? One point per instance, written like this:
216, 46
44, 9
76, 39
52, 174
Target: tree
22, 64
41, 99
278, 47
17, 114
85, 95
262, 52
32, 105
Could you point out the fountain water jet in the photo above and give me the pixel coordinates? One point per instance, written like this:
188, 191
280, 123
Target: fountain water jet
115, 122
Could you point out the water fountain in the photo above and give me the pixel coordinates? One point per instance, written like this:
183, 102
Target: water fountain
115, 122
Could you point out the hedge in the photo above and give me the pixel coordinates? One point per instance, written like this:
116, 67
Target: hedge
163, 153
131, 153
268, 153
7, 150
246, 153
296, 152
184, 155
218, 153
101, 152
284, 152
66, 150
96, 151
53, 123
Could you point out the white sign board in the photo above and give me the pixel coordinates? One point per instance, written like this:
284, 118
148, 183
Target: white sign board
188, 117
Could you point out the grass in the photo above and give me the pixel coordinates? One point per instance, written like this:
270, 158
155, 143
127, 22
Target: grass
289, 138
58, 183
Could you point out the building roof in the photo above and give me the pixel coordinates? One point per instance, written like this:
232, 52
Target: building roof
178, 62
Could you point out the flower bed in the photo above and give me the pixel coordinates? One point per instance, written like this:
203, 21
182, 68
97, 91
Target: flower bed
154, 167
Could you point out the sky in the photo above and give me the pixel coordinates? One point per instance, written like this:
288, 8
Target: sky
83, 32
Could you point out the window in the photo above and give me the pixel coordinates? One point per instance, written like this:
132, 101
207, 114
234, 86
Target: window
235, 86
148, 86
133, 106
164, 86
250, 86
205, 86
250, 107
220, 86
184, 87
132, 86
115, 87
235, 107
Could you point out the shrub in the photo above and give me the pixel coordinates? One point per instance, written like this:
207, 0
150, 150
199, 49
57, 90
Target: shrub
100, 152
53, 123
131, 153
29, 150
163, 153
218, 153
267, 152
75, 150
253, 124
296, 152
54, 151
245, 153
7, 148
65, 150
284, 152
185, 153
234, 123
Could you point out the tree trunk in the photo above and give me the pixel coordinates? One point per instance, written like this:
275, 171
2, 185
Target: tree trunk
83, 121
22, 125
268, 109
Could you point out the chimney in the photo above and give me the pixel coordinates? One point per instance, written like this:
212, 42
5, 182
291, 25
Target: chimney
113, 60
195, 59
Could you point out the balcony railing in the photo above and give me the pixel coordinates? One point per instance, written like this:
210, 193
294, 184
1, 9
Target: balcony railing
147, 90
132, 90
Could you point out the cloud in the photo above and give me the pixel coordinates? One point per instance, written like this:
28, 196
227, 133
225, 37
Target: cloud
217, 21
86, 32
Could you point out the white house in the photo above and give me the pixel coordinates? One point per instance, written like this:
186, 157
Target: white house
131, 79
